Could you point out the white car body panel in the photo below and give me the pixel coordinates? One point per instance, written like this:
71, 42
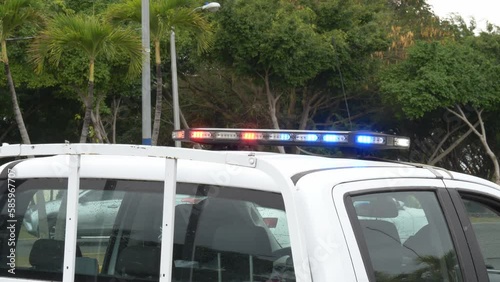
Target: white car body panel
324, 247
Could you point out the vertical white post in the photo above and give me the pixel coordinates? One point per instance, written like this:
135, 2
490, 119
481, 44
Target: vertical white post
167, 229
251, 267
219, 268
175, 88
71, 218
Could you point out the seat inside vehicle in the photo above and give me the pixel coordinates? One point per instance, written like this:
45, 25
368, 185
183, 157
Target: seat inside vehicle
381, 235
220, 237
48, 255
244, 252
142, 262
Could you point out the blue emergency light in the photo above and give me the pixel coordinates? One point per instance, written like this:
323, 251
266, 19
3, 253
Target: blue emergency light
354, 139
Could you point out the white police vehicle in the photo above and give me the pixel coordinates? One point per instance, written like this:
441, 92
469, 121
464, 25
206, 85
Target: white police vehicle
194, 215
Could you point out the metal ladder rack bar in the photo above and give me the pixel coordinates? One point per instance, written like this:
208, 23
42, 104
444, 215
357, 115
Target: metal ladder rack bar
69, 264
17, 150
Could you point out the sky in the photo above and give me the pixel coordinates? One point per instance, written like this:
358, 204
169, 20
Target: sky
481, 10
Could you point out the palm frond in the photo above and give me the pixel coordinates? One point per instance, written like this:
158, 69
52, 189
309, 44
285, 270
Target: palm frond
124, 12
195, 23
125, 42
14, 13
163, 6
89, 34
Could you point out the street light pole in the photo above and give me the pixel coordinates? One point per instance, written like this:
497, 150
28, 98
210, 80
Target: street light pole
175, 88
146, 74
211, 7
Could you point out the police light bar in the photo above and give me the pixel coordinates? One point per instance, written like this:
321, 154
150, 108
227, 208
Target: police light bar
354, 139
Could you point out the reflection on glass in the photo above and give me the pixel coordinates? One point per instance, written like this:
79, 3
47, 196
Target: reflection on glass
486, 224
407, 237
220, 233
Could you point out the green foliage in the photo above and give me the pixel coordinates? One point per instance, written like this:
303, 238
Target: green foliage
273, 36
442, 75
16, 13
164, 15
88, 34
292, 42
92, 7
19, 22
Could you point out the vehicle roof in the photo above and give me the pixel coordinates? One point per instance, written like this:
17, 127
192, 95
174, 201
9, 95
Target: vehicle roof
291, 166
288, 164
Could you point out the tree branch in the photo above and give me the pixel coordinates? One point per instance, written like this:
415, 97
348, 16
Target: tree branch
464, 119
450, 148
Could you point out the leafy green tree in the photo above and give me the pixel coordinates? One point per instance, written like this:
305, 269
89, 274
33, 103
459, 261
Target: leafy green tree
13, 15
283, 51
91, 36
450, 75
164, 17
273, 44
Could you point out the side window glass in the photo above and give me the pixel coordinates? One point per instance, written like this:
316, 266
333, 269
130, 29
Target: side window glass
97, 212
275, 219
38, 224
230, 234
486, 225
220, 233
407, 237
32, 229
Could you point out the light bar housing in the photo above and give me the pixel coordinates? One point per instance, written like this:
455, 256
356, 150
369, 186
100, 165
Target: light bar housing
251, 137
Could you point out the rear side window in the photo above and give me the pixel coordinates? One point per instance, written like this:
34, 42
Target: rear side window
229, 234
37, 236
406, 236
28, 244
484, 214
220, 233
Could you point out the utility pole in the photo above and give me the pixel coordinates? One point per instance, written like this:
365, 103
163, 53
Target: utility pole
146, 75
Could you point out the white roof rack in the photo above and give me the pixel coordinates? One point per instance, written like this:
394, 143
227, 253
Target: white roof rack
20, 150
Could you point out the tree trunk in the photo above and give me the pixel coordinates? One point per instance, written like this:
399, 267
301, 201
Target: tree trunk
306, 109
159, 87
482, 137
271, 100
98, 125
491, 154
433, 160
116, 110
183, 120
99, 130
304, 116
88, 104
15, 105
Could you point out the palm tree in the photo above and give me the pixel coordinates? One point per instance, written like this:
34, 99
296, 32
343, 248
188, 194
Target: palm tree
13, 15
92, 36
164, 15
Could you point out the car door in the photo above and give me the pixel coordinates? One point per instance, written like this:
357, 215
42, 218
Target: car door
479, 209
403, 230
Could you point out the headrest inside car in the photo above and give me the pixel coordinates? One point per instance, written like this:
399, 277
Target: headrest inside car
376, 206
48, 254
139, 261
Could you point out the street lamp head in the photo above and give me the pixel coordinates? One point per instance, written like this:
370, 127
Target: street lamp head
211, 7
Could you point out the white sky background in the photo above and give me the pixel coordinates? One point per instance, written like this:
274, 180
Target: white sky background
481, 10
